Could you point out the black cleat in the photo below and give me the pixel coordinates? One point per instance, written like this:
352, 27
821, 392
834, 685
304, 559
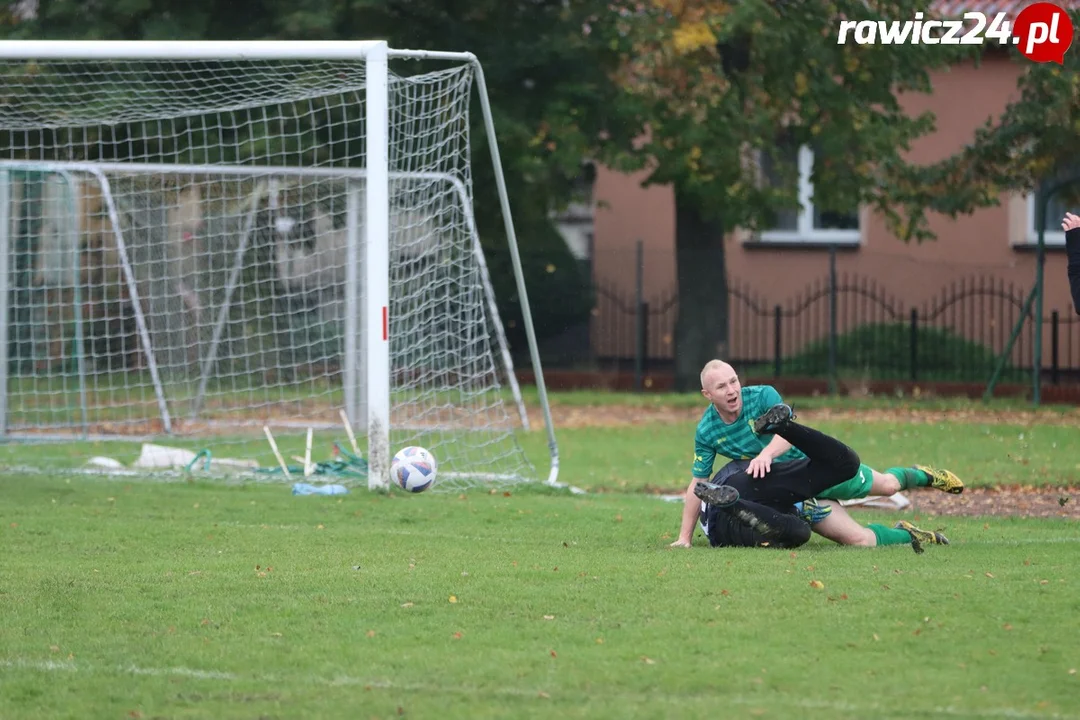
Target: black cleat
719, 496
775, 418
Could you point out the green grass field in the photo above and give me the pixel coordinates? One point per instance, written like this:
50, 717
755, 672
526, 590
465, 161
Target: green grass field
135, 599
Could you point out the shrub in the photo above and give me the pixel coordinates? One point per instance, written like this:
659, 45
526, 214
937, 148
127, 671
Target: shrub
882, 351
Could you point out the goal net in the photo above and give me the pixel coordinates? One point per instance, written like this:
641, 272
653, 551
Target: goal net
220, 242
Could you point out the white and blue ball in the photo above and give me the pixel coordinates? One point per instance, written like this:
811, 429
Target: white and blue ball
413, 468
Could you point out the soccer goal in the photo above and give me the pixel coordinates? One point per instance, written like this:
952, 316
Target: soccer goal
201, 242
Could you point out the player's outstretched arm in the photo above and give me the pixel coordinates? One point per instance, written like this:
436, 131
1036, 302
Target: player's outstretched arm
691, 508
1071, 226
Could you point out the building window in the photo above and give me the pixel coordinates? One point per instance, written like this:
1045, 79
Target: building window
809, 224
1055, 212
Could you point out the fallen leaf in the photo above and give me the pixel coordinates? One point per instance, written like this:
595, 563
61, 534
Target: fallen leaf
817, 584
371, 633
456, 636
1072, 671
320, 526
543, 695
453, 598
1007, 626
554, 654
600, 641
549, 617
406, 605
648, 660
990, 575
876, 638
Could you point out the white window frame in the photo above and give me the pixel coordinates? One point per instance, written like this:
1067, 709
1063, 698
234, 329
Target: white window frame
805, 232
1052, 238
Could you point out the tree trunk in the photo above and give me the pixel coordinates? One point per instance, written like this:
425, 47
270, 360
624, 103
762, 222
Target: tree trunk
701, 327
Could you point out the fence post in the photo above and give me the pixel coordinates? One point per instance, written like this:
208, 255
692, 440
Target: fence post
777, 327
914, 344
640, 318
832, 319
1054, 366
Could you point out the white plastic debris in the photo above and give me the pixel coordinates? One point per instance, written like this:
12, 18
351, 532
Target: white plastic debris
105, 462
163, 456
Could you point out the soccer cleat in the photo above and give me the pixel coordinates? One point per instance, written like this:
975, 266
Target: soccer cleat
943, 480
920, 536
719, 496
775, 418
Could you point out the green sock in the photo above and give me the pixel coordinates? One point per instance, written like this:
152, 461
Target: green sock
909, 477
890, 536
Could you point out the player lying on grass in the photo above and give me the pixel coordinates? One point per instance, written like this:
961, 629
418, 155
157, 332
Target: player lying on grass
726, 429
1071, 226
743, 511
737, 522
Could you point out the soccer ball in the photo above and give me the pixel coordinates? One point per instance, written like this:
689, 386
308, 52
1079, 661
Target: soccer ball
413, 468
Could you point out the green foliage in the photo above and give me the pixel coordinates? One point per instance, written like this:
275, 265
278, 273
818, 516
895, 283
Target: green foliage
1036, 140
882, 351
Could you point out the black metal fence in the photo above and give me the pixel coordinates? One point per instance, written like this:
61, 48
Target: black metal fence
847, 326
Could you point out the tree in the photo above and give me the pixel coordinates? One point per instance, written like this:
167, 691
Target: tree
728, 86
1036, 141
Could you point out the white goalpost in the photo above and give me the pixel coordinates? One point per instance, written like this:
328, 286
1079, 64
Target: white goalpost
200, 240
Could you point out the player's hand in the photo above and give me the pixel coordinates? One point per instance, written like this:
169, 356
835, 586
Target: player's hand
681, 543
1071, 222
759, 467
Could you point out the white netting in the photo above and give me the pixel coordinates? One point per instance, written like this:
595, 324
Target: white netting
125, 180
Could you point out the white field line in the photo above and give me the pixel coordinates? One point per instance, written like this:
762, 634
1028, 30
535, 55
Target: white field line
861, 707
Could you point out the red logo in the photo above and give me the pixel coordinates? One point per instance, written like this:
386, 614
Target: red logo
1043, 32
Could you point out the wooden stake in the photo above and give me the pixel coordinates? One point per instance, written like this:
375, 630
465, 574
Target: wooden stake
348, 429
308, 468
277, 453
